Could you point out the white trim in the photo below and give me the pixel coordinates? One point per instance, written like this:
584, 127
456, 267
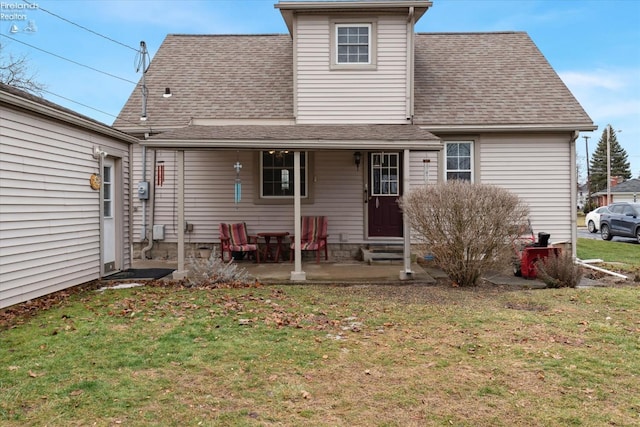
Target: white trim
68, 118
302, 145
336, 51
507, 128
297, 275
406, 178
471, 160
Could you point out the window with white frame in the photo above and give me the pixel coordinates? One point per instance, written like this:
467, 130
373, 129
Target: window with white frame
277, 174
353, 43
107, 204
459, 160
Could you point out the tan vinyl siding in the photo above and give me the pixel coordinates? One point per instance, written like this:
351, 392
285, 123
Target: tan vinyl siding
537, 169
351, 95
49, 216
335, 187
422, 172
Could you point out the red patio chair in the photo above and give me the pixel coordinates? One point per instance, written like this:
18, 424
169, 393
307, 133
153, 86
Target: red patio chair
313, 236
234, 238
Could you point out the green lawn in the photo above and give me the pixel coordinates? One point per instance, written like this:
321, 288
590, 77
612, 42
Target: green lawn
625, 255
326, 356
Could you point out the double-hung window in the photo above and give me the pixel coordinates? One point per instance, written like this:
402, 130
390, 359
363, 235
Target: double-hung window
353, 45
277, 174
459, 160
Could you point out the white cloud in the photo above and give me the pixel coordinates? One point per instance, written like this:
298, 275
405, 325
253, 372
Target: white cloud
591, 80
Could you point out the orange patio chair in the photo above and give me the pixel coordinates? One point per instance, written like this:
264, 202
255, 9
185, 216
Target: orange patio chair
313, 236
234, 238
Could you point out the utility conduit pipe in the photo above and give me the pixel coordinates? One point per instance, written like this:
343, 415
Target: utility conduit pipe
602, 270
152, 198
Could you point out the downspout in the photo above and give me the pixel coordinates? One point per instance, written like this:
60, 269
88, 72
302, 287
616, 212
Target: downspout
101, 216
574, 197
152, 203
143, 232
131, 210
410, 64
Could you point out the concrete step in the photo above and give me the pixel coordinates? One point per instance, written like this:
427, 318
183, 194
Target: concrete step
382, 255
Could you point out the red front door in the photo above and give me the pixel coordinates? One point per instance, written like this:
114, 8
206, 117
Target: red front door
385, 188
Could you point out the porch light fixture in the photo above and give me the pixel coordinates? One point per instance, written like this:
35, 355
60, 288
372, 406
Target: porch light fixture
167, 92
357, 157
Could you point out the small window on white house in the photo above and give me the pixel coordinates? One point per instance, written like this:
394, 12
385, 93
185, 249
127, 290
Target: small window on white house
277, 174
353, 44
459, 161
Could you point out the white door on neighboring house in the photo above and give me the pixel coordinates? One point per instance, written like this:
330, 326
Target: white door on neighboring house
109, 207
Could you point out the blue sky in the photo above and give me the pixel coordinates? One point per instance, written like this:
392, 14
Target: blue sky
594, 45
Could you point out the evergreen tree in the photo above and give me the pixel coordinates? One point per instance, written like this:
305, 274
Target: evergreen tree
620, 165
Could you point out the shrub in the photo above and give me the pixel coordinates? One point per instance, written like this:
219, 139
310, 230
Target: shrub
559, 271
213, 271
469, 228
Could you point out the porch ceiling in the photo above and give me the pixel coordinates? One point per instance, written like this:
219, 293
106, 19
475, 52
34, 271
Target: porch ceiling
302, 137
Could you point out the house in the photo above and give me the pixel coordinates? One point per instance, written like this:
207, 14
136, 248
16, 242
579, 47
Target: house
621, 191
64, 191
341, 117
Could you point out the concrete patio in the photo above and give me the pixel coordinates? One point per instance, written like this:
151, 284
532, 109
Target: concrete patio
349, 272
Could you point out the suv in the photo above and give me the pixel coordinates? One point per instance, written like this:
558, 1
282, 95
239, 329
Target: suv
623, 219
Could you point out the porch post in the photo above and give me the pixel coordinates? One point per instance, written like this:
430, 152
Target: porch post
181, 272
297, 275
406, 232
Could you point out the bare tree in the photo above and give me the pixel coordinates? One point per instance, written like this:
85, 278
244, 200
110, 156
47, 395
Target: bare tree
15, 71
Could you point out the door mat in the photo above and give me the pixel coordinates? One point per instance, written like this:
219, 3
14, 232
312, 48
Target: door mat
140, 273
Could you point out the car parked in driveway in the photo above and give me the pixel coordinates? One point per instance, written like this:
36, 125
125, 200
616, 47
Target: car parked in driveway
593, 218
622, 220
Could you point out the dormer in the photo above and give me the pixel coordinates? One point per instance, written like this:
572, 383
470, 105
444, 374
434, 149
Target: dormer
353, 60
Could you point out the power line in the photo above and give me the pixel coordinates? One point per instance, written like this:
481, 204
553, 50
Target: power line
86, 106
80, 26
70, 60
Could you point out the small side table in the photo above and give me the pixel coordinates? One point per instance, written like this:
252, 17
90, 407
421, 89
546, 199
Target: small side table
279, 235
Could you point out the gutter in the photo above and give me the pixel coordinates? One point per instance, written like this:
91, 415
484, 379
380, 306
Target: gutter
67, 117
565, 127
305, 145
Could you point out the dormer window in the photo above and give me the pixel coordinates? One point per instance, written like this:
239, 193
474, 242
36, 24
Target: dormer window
353, 45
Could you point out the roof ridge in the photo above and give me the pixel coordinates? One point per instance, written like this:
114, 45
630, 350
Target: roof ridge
227, 35
462, 33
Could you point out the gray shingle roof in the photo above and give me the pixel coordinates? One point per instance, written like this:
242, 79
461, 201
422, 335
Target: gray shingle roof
461, 79
629, 186
216, 76
489, 79
299, 133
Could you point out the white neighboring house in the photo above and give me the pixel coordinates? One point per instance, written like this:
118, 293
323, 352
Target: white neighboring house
355, 107
59, 227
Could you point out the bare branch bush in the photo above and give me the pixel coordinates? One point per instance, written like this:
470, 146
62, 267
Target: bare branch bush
559, 271
214, 271
469, 228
